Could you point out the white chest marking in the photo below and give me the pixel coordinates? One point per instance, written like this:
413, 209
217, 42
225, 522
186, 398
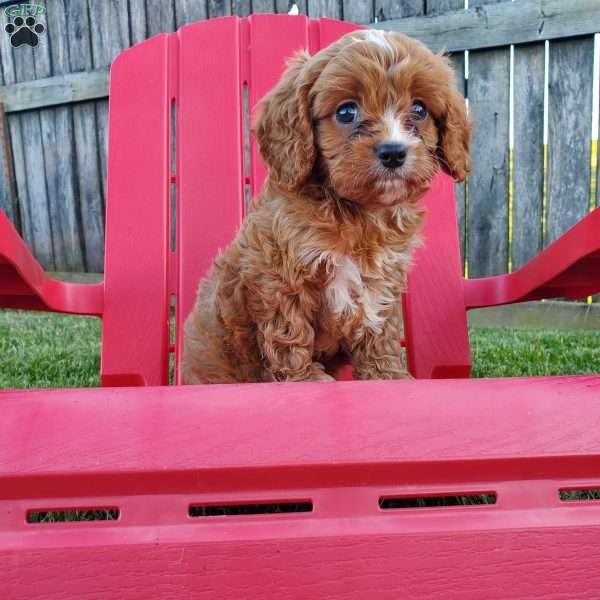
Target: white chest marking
347, 291
346, 286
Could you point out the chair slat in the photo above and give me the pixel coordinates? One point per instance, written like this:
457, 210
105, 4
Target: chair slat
435, 321
136, 321
210, 175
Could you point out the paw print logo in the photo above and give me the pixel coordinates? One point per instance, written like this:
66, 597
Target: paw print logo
24, 31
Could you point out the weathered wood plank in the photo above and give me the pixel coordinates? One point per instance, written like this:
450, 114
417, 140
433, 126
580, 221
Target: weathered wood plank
59, 89
189, 11
518, 22
440, 7
160, 17
109, 30
263, 6
219, 8
487, 220
137, 21
358, 12
284, 6
241, 8
85, 129
569, 133
8, 195
397, 9
57, 142
110, 35
325, 8
16, 144
33, 155
528, 153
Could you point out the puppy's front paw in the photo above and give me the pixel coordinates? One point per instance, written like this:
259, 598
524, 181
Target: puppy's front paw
317, 373
313, 372
377, 373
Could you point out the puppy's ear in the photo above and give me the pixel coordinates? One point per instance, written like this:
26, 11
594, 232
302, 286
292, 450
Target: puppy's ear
283, 126
455, 137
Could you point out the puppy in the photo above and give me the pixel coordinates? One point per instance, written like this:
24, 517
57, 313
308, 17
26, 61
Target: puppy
352, 138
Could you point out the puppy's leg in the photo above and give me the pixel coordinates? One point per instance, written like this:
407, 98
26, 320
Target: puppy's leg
379, 355
286, 341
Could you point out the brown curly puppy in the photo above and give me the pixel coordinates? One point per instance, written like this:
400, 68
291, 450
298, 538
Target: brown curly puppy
352, 138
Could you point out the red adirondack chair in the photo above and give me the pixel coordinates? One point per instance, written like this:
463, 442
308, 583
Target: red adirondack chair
335, 458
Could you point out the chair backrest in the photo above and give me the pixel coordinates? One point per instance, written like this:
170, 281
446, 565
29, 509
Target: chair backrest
178, 120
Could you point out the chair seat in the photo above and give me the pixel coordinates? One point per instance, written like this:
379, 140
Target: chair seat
153, 452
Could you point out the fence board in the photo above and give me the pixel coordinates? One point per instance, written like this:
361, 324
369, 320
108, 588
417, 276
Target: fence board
262, 6
528, 152
16, 145
241, 8
34, 177
87, 167
283, 6
160, 17
569, 133
137, 20
219, 8
487, 220
8, 200
518, 22
189, 11
325, 8
110, 35
439, 7
57, 141
358, 12
397, 9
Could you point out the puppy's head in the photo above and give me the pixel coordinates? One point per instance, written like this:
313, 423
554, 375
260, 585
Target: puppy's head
373, 116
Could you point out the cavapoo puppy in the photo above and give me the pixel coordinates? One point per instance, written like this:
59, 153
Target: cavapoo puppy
352, 138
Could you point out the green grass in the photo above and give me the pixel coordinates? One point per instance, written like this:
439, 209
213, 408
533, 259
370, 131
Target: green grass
524, 352
47, 350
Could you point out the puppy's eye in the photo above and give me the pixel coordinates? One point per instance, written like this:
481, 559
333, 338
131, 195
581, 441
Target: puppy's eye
418, 110
347, 113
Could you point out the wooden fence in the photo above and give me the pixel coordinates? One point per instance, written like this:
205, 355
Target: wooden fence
52, 180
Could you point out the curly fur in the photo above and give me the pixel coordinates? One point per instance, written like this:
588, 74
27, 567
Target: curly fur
319, 264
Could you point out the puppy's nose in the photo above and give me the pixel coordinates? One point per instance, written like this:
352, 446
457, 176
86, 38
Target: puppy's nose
391, 155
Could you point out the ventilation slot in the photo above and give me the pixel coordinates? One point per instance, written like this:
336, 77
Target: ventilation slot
392, 503
75, 514
579, 494
271, 508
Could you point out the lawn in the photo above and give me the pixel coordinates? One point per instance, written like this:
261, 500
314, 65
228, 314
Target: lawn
46, 350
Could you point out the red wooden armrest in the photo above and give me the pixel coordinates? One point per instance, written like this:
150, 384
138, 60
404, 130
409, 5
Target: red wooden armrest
24, 284
335, 449
568, 268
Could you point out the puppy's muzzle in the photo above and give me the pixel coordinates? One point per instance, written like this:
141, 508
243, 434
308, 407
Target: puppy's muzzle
391, 155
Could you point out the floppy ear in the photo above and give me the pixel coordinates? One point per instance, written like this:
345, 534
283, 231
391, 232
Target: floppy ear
455, 138
283, 127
